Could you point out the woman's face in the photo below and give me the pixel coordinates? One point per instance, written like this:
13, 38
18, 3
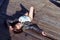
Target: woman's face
18, 26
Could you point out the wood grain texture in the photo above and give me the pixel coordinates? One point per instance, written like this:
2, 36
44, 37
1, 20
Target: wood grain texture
47, 14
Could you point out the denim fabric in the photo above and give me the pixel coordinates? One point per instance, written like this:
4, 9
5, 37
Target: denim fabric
30, 26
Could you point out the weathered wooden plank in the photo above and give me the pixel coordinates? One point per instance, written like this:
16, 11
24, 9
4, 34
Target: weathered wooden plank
49, 19
47, 14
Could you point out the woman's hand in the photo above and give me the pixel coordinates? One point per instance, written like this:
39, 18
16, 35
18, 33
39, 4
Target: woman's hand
10, 28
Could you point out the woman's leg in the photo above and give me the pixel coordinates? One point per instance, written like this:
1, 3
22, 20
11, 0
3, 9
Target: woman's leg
31, 13
36, 28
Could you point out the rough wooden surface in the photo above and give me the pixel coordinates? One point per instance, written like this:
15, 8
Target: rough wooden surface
47, 16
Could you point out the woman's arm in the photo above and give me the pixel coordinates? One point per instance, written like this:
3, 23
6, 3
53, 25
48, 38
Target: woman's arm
9, 25
31, 13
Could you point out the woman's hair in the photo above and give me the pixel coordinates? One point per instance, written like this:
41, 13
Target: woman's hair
14, 23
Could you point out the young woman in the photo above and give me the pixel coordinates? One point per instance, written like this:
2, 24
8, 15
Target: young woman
24, 23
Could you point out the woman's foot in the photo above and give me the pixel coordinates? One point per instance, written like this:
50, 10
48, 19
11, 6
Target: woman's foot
43, 33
